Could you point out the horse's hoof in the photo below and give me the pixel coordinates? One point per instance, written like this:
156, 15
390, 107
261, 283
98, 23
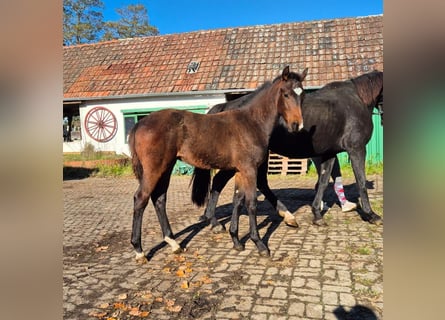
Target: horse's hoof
202, 218
177, 250
140, 258
288, 218
319, 223
292, 223
238, 247
218, 229
264, 253
377, 220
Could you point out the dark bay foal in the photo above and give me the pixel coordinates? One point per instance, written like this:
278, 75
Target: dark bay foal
233, 140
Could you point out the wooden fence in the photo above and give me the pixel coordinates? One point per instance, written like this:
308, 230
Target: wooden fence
284, 165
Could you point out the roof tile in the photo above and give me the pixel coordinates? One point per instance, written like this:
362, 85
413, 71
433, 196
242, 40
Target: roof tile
232, 58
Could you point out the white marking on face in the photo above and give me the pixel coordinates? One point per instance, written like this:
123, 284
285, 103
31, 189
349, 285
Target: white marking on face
298, 91
300, 126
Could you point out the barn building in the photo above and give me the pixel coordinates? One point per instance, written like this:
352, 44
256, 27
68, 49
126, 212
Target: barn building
109, 86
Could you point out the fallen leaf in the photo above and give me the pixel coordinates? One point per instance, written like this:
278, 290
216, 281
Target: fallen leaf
185, 285
102, 248
159, 299
180, 258
196, 284
120, 305
134, 312
144, 314
169, 302
180, 273
174, 308
206, 279
98, 314
104, 305
147, 296
166, 269
122, 296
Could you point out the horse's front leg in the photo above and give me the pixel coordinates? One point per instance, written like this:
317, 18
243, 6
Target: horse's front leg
280, 208
323, 180
218, 183
358, 166
254, 235
246, 182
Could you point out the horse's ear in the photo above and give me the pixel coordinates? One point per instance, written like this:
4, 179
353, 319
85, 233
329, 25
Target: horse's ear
285, 73
304, 74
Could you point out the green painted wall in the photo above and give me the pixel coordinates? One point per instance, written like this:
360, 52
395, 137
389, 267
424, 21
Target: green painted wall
374, 148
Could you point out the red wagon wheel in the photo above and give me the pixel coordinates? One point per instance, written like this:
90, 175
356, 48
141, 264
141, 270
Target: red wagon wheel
100, 124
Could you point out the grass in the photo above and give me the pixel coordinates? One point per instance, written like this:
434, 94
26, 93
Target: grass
89, 153
102, 170
346, 170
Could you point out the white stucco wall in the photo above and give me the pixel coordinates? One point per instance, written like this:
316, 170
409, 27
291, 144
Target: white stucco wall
116, 106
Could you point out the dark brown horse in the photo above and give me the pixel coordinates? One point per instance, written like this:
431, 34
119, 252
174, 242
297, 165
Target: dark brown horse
337, 117
234, 140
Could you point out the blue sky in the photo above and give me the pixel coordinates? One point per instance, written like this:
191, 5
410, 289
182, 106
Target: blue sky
176, 16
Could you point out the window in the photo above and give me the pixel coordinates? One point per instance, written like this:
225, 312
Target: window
131, 117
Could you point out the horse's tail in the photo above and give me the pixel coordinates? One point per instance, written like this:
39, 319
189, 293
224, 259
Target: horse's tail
201, 185
136, 163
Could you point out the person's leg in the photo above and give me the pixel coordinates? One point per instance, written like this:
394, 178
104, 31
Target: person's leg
339, 189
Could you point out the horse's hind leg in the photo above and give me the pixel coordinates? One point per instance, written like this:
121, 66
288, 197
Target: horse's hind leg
159, 198
358, 166
323, 180
263, 186
238, 200
140, 199
218, 183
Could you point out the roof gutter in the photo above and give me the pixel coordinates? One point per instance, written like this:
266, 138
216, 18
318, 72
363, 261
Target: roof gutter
166, 94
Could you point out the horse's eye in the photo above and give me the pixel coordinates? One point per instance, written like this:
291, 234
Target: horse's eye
286, 95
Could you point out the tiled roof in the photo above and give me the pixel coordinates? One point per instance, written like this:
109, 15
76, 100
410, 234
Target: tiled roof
232, 58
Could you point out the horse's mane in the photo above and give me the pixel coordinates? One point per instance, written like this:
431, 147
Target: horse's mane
369, 86
242, 101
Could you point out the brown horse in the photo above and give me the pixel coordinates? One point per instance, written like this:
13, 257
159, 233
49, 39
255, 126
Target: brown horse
158, 140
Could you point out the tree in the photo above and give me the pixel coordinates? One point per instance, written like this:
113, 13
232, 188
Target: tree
82, 21
133, 22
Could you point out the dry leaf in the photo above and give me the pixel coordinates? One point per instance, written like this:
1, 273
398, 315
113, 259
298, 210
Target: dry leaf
185, 285
206, 279
120, 305
180, 273
169, 302
147, 296
144, 314
122, 296
102, 248
166, 269
104, 305
159, 299
98, 314
196, 284
174, 308
134, 312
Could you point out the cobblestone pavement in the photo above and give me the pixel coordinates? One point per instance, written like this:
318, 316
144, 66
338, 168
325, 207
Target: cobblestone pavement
331, 272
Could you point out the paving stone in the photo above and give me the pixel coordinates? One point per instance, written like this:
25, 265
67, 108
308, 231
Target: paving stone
311, 271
